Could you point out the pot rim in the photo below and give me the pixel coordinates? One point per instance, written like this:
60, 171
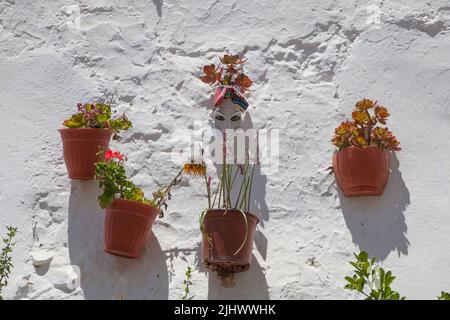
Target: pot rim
236, 210
85, 129
134, 202
362, 149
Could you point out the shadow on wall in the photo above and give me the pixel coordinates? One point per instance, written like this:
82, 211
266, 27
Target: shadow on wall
250, 285
104, 276
377, 224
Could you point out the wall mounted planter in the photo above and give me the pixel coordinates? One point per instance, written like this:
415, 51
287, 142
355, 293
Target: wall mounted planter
127, 225
80, 150
361, 172
227, 233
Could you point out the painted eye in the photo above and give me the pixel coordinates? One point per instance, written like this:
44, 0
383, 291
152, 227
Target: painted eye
220, 117
235, 118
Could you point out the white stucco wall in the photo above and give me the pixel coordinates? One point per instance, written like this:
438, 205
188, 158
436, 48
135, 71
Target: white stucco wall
310, 61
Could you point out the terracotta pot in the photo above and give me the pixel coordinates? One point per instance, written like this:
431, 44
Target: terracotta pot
80, 150
127, 225
227, 233
361, 172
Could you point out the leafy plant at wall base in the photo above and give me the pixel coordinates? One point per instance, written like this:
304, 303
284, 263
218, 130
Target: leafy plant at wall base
6, 259
187, 282
363, 131
444, 296
371, 280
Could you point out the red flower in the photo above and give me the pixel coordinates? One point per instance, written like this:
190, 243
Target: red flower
117, 155
108, 154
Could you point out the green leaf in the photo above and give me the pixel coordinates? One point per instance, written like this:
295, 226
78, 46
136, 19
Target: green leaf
350, 280
363, 256
105, 199
375, 295
394, 296
355, 265
444, 296
76, 121
120, 124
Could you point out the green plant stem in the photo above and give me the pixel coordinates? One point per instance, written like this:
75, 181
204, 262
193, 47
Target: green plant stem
166, 191
208, 189
250, 188
187, 284
229, 172
217, 192
244, 197
242, 184
223, 175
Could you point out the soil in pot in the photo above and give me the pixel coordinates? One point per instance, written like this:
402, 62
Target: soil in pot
127, 225
225, 249
361, 172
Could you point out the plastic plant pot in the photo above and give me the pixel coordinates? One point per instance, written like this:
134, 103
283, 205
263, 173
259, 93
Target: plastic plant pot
81, 146
361, 172
225, 246
127, 225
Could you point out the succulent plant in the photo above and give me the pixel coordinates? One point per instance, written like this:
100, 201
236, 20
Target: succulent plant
228, 73
365, 130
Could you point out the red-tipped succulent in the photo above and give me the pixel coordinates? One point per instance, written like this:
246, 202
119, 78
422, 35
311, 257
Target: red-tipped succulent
363, 131
229, 72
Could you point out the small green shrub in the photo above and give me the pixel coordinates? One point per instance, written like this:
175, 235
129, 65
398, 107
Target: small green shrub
6, 259
371, 280
187, 282
444, 296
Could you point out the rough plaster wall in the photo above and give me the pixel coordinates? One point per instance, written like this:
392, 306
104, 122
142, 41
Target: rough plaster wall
310, 61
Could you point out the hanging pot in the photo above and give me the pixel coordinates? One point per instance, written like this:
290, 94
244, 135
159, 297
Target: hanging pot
127, 225
81, 146
227, 242
361, 172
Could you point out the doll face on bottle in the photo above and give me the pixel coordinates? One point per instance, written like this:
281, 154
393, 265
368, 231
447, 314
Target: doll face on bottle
228, 116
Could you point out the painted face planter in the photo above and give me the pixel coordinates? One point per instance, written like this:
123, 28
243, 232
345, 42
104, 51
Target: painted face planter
87, 132
227, 225
361, 166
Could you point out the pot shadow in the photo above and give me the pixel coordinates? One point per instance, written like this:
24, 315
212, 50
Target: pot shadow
104, 276
180, 253
249, 285
377, 224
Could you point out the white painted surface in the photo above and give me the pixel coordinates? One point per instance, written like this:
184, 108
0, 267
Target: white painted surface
310, 60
